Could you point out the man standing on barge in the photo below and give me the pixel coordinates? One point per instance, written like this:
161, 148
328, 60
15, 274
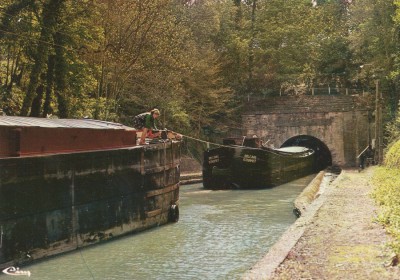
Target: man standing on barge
146, 123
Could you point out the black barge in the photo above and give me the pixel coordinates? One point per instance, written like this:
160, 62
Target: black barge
66, 184
244, 163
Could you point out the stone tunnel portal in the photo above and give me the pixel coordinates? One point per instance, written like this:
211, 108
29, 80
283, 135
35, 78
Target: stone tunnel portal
323, 154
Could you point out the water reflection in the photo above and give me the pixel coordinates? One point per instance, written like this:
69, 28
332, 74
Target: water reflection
220, 235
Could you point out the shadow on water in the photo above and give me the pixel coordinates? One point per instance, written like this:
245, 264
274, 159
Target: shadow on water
220, 235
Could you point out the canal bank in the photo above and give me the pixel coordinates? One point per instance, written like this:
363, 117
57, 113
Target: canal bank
337, 237
191, 171
188, 178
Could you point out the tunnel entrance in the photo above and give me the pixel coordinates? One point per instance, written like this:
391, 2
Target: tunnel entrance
323, 155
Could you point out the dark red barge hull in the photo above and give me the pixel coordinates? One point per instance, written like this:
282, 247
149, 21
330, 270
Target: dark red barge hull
63, 187
21, 136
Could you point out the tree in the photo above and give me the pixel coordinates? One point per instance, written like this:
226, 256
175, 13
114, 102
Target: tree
232, 44
374, 41
50, 15
13, 48
205, 95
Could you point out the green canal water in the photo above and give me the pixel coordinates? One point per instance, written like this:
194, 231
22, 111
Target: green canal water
220, 235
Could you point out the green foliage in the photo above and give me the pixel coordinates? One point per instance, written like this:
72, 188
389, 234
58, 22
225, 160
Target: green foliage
387, 194
392, 158
197, 61
100, 108
393, 133
387, 188
282, 44
374, 41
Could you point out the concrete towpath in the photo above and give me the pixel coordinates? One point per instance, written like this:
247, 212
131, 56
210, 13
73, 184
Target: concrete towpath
336, 238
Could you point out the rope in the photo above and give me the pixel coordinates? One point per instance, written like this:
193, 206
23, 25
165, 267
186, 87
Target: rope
202, 141
208, 143
273, 151
85, 263
212, 143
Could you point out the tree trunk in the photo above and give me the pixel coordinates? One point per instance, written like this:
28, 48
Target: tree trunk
49, 85
50, 15
37, 101
251, 46
60, 76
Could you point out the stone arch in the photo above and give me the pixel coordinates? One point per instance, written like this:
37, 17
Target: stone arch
342, 122
323, 154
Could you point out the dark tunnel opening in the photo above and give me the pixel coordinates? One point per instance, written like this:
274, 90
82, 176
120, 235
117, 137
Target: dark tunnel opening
322, 152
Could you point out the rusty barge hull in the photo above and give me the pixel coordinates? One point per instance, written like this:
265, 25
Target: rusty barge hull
55, 203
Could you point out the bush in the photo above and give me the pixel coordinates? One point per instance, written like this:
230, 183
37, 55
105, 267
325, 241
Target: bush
386, 180
392, 157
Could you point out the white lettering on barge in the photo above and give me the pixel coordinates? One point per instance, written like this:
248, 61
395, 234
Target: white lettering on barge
249, 158
213, 159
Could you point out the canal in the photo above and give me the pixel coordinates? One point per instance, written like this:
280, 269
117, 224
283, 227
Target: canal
220, 235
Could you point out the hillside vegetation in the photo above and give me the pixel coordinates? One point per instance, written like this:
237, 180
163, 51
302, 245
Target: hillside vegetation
387, 193
198, 61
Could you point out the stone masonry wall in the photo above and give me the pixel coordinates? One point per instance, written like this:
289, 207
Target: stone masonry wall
345, 133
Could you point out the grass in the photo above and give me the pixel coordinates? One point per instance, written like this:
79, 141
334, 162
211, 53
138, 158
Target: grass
386, 193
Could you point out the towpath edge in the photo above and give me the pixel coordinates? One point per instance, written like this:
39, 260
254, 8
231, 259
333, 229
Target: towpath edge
336, 238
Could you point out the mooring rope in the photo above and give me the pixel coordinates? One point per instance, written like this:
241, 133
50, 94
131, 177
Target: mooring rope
208, 143
85, 263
